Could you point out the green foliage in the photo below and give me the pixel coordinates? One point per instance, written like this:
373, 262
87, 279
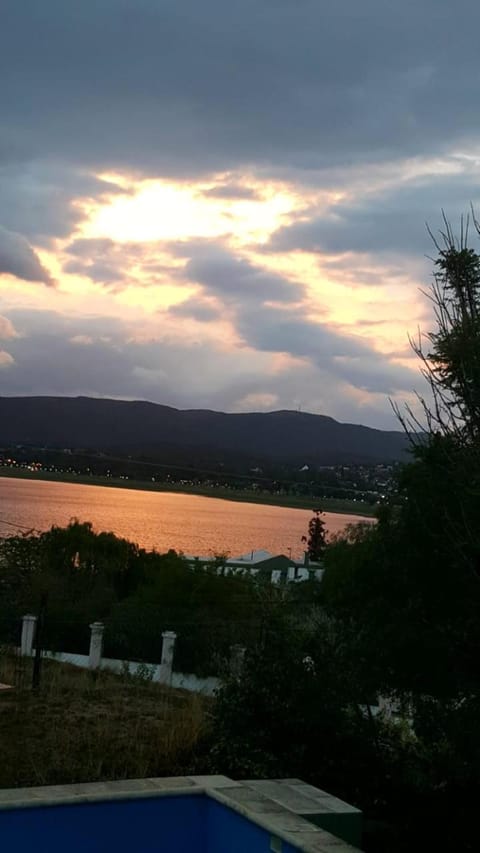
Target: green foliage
297, 710
316, 542
408, 589
406, 593
208, 611
455, 356
80, 573
87, 577
402, 605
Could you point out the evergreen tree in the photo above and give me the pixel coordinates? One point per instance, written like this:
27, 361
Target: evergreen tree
450, 354
405, 593
316, 542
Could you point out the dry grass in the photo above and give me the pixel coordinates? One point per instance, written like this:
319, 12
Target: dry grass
81, 726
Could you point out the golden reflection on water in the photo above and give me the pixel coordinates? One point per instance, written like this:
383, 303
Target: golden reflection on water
162, 520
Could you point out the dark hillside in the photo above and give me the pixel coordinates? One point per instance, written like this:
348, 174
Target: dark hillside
117, 425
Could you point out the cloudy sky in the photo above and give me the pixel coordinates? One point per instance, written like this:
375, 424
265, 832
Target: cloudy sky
222, 204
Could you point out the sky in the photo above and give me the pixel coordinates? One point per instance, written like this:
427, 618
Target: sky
222, 204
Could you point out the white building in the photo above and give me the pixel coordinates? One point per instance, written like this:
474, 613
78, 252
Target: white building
281, 569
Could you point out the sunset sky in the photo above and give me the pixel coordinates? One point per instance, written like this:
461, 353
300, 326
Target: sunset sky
222, 204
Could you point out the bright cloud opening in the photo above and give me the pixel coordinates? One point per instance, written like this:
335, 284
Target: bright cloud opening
161, 210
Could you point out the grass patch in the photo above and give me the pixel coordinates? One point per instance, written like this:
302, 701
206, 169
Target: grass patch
81, 726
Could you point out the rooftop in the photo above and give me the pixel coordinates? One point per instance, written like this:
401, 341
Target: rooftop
252, 557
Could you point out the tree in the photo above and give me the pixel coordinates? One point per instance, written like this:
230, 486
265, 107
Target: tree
77, 574
316, 542
208, 611
448, 445
450, 355
297, 709
406, 594
411, 587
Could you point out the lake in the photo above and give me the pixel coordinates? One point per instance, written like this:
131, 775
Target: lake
196, 525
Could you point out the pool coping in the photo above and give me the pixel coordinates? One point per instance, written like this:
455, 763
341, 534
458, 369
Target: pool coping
271, 816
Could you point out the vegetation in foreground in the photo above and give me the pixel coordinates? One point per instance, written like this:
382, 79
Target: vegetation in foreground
399, 617
74, 576
87, 727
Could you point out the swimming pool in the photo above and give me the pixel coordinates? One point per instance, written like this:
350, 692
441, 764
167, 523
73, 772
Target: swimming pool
177, 815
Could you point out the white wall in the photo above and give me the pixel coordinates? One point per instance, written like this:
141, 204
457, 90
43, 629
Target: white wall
151, 671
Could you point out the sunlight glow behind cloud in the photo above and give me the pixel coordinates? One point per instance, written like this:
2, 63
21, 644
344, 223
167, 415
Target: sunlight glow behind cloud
223, 205
161, 210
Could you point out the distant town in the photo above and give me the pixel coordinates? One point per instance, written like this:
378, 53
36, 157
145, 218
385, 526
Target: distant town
363, 484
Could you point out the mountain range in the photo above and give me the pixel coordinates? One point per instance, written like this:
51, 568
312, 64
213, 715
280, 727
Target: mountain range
142, 428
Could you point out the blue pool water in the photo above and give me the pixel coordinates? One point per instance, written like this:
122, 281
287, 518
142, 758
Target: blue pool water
168, 824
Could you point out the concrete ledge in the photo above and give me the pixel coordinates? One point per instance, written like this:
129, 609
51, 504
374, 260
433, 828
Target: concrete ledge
90, 792
244, 798
315, 805
279, 821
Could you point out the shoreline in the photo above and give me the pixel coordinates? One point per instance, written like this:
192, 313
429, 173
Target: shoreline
342, 507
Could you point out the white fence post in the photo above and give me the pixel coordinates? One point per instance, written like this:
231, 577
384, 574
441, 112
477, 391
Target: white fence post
168, 646
29, 624
96, 645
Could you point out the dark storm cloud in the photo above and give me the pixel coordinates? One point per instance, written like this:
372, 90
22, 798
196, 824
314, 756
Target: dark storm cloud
99, 259
31, 322
181, 87
56, 354
36, 199
63, 355
109, 263
294, 89
236, 279
98, 356
393, 220
17, 258
276, 330
103, 273
284, 328
198, 309
343, 356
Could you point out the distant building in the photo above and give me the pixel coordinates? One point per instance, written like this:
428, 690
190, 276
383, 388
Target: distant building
281, 569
